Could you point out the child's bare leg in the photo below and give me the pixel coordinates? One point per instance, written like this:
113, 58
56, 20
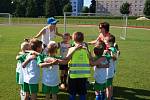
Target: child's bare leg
27, 94
109, 92
47, 97
33, 96
54, 96
65, 76
62, 79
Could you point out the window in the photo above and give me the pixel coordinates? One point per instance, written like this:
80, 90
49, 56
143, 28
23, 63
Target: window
141, 6
116, 6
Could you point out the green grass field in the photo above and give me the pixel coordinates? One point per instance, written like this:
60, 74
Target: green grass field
132, 81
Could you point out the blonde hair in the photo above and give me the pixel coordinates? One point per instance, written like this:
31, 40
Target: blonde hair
25, 46
52, 47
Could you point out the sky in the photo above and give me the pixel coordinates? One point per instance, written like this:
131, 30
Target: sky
87, 2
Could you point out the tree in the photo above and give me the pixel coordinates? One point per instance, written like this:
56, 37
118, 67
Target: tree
125, 8
31, 10
85, 9
67, 8
40, 6
146, 10
5, 6
64, 2
92, 8
13, 7
50, 10
58, 7
21, 8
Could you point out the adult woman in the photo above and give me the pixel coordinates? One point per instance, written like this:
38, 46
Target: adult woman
104, 34
49, 32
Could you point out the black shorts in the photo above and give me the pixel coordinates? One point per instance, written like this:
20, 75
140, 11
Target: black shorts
63, 67
77, 86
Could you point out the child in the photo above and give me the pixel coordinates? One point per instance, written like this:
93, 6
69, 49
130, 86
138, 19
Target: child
50, 77
19, 71
113, 53
31, 70
64, 47
79, 68
101, 63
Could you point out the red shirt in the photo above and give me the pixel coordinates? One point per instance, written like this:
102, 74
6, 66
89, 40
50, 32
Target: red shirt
104, 38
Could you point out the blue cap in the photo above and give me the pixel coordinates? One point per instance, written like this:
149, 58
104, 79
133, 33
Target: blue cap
52, 21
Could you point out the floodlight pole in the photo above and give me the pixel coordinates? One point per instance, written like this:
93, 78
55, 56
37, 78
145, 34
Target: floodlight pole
64, 21
126, 24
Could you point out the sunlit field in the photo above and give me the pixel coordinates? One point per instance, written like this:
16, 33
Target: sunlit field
132, 79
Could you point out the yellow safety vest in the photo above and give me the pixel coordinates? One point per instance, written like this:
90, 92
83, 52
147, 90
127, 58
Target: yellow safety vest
79, 65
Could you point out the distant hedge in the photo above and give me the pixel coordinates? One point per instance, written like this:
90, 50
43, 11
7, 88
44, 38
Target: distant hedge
96, 17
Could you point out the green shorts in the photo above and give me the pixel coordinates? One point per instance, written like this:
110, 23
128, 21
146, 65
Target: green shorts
109, 82
50, 89
32, 88
99, 87
17, 77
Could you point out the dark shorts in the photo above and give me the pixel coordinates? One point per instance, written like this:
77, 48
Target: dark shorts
77, 86
63, 67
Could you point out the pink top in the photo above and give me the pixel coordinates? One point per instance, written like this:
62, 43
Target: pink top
104, 38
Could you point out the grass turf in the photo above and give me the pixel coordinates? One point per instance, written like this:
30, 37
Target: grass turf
132, 78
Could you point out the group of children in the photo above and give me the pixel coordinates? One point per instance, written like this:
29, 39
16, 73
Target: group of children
75, 62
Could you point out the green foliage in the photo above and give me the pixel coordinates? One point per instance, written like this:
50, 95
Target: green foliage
21, 8
146, 10
50, 8
59, 7
31, 10
40, 7
85, 9
92, 8
125, 8
67, 8
64, 2
5, 6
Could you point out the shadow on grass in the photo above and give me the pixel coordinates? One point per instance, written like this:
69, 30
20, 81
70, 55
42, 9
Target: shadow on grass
123, 93
120, 93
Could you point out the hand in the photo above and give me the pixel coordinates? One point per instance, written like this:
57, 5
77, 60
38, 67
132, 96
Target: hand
32, 57
50, 60
78, 46
34, 53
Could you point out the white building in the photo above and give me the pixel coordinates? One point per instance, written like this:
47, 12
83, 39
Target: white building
77, 6
112, 7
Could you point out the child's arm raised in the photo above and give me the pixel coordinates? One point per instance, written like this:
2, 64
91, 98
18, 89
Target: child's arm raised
47, 64
28, 60
69, 55
100, 63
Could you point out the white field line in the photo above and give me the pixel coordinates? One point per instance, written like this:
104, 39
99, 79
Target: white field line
71, 25
130, 27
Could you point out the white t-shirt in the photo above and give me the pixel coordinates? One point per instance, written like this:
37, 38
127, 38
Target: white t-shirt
50, 76
111, 69
64, 47
100, 74
48, 35
19, 70
31, 72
